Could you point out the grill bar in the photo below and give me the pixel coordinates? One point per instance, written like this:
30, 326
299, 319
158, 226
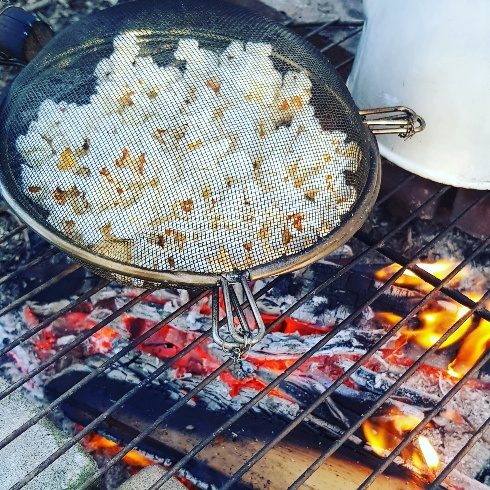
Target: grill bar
320, 28
428, 202
160, 370
212, 376
12, 233
386, 395
427, 277
339, 42
29, 265
335, 384
45, 323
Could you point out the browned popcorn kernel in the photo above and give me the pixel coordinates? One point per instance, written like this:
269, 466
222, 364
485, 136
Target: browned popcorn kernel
263, 233
218, 113
83, 171
196, 144
34, 189
67, 160
126, 99
115, 249
178, 236
127, 160
247, 246
311, 194
297, 220
328, 182
284, 105
158, 135
171, 262
296, 101
213, 84
286, 236
69, 227
187, 205
207, 191
230, 181
105, 230
124, 159
60, 196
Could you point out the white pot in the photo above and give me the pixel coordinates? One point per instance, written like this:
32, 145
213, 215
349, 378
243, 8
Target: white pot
433, 56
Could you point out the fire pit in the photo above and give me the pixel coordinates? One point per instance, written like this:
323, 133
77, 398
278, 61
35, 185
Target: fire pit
374, 369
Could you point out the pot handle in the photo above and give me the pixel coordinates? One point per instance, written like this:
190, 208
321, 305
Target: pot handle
398, 120
236, 339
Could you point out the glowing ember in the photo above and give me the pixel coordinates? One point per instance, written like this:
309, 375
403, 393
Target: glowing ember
94, 442
428, 452
409, 279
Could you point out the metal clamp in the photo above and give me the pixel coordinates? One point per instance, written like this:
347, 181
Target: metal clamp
235, 338
395, 120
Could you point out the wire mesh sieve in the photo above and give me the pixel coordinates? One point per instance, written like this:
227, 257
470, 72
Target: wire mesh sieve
187, 143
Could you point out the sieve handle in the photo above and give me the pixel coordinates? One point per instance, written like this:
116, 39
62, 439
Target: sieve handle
233, 338
398, 120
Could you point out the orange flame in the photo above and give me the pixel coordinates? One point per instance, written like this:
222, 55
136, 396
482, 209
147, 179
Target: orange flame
428, 452
410, 280
384, 433
472, 349
436, 320
94, 442
434, 324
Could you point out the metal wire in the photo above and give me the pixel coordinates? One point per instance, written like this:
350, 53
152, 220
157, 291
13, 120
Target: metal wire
158, 372
31, 294
386, 395
46, 322
343, 377
372, 245
427, 276
24, 267
78, 340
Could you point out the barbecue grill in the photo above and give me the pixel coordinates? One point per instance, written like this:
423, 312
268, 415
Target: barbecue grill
366, 243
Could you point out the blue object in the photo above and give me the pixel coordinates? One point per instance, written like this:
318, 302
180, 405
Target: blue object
16, 26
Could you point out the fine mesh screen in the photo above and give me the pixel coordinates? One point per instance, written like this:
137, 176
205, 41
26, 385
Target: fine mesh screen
186, 136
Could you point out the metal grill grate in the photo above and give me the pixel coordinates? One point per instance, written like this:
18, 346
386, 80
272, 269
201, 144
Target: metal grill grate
367, 244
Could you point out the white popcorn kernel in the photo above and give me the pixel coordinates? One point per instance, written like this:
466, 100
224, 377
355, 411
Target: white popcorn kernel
34, 148
258, 49
232, 53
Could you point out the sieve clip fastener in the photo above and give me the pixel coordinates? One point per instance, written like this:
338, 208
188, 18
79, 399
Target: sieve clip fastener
399, 120
235, 337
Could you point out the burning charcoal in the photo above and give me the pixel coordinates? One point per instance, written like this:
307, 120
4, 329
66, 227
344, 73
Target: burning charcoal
379, 383
33, 446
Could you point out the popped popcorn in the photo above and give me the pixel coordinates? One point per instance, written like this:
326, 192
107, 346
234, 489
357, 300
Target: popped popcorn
213, 163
